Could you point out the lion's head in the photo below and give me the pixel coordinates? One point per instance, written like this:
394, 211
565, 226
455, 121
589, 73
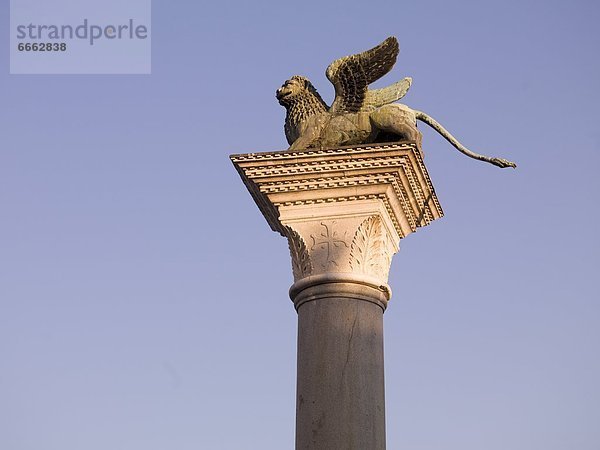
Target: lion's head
298, 89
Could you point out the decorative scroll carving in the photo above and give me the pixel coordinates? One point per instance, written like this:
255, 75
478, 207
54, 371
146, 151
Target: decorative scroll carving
369, 252
301, 264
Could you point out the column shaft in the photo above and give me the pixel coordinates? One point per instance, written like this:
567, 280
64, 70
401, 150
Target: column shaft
340, 400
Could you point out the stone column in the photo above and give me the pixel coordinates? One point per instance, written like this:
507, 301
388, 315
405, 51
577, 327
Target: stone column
343, 212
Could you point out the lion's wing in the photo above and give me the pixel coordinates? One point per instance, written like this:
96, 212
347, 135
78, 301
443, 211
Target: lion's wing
384, 96
352, 75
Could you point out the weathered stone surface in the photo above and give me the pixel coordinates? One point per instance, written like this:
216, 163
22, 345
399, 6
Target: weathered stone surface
340, 400
358, 114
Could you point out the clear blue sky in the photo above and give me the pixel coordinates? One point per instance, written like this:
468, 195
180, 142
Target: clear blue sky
143, 298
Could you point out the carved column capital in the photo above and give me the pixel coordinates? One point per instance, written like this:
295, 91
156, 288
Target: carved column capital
342, 210
356, 247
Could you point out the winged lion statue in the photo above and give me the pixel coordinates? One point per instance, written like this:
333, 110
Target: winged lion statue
358, 115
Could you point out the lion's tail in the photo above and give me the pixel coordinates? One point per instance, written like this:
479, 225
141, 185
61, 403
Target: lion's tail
500, 162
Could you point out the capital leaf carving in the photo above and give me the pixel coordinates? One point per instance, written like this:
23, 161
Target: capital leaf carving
369, 253
301, 263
